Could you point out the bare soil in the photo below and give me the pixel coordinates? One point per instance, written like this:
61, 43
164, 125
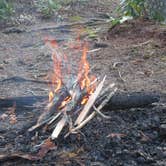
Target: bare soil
133, 55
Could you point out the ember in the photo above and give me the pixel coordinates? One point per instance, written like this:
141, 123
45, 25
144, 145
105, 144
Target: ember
71, 94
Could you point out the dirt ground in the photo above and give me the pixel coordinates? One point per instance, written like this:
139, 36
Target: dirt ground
132, 55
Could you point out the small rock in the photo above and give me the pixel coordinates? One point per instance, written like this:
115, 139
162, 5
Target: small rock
164, 154
1, 67
141, 159
163, 130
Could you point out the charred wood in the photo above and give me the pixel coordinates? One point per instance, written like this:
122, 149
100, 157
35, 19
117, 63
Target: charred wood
132, 100
118, 101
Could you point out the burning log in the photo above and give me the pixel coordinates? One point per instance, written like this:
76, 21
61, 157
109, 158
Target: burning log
54, 104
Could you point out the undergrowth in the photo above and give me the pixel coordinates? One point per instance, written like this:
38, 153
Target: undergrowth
48, 7
131, 9
143, 8
6, 9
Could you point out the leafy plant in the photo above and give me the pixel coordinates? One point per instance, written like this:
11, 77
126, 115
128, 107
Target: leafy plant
134, 8
142, 8
92, 33
6, 9
48, 7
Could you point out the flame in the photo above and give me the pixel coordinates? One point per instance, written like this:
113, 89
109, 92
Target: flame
84, 72
84, 69
51, 96
84, 100
56, 79
86, 81
65, 101
57, 74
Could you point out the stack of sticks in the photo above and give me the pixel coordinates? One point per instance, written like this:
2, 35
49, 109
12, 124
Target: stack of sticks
73, 115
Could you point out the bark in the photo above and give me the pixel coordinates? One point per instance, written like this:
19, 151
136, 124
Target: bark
118, 101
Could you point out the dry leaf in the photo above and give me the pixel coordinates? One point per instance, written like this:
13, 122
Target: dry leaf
12, 114
3, 116
118, 135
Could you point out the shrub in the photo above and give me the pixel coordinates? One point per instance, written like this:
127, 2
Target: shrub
153, 9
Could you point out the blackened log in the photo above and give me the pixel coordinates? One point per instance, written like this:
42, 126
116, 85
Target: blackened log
24, 101
132, 100
118, 101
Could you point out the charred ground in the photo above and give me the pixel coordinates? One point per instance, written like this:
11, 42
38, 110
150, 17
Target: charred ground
132, 55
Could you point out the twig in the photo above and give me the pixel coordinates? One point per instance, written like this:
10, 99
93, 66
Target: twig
54, 118
59, 128
106, 100
121, 76
84, 122
104, 93
38, 125
135, 45
100, 113
90, 102
94, 50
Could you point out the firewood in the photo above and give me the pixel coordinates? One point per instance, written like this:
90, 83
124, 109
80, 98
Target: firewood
132, 100
51, 108
97, 110
58, 128
90, 102
121, 100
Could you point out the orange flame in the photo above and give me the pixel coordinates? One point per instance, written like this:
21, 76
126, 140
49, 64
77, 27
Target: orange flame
84, 77
84, 69
51, 96
57, 75
65, 101
83, 74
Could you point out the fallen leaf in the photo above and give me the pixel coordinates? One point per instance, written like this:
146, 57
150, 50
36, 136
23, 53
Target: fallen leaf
144, 137
44, 148
12, 114
118, 135
3, 116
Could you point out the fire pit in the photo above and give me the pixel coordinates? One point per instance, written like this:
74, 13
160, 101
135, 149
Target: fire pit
74, 99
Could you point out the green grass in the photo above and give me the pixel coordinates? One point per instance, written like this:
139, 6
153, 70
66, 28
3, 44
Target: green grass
47, 7
6, 9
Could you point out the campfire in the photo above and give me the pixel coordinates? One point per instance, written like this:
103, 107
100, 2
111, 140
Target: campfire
76, 96
74, 99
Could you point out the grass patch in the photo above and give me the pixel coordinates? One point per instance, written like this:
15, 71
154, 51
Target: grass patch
48, 7
6, 9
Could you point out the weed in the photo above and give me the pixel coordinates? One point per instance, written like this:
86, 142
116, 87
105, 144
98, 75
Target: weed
47, 7
6, 9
